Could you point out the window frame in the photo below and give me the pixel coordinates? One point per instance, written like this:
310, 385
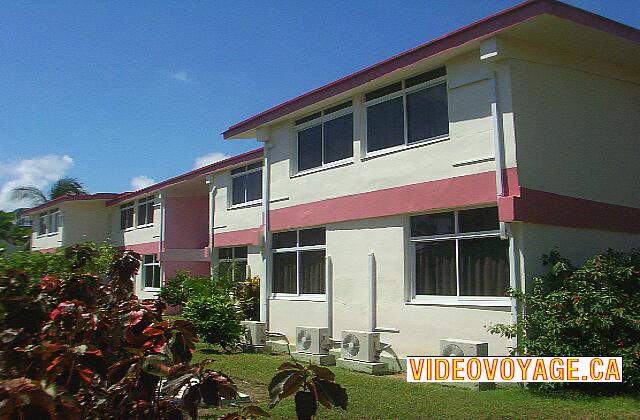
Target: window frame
54, 215
146, 202
43, 224
155, 263
246, 171
233, 258
321, 120
457, 236
404, 92
130, 205
298, 251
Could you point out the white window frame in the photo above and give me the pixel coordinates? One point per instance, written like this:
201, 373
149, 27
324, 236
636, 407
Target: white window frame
298, 250
457, 237
54, 219
146, 201
155, 263
233, 258
403, 93
245, 172
127, 206
43, 220
321, 120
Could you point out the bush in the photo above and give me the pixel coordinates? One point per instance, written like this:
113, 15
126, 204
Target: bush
216, 318
593, 310
247, 296
182, 287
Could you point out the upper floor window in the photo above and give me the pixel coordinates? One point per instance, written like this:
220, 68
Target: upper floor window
55, 221
325, 137
299, 261
232, 262
459, 255
246, 183
145, 210
42, 224
407, 112
126, 215
150, 271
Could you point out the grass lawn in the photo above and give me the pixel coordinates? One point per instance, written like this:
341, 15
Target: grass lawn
387, 397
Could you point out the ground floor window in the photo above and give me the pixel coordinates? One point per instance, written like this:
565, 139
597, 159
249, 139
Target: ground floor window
232, 262
459, 254
150, 271
299, 262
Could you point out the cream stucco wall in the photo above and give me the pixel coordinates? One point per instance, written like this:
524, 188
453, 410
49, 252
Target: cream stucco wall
135, 234
577, 125
228, 218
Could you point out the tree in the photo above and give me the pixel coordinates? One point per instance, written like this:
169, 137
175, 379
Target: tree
62, 187
10, 233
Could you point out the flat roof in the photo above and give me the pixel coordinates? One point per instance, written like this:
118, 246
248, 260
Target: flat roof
475, 31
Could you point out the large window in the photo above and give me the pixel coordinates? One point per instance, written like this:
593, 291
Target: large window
42, 224
232, 262
246, 183
459, 255
55, 221
325, 137
299, 262
407, 112
145, 210
150, 271
126, 215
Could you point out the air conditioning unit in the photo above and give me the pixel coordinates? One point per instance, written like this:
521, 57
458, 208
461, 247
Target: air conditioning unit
361, 346
312, 340
255, 333
453, 347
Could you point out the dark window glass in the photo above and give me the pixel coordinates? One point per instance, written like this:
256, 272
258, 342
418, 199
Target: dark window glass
284, 272
225, 253
379, 93
436, 268
433, 224
337, 107
484, 267
308, 118
240, 252
126, 218
239, 189
310, 148
42, 225
238, 170
385, 124
150, 212
427, 113
285, 239
478, 220
312, 279
255, 165
151, 271
338, 138
315, 236
254, 185
425, 77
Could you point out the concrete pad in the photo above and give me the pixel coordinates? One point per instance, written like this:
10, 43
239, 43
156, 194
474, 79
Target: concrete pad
256, 349
370, 368
280, 347
316, 359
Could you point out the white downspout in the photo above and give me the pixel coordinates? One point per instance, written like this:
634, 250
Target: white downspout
263, 136
371, 271
212, 209
329, 292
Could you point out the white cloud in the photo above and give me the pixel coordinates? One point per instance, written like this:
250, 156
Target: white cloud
39, 172
181, 76
208, 159
141, 181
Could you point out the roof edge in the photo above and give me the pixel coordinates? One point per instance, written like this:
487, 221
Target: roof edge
484, 27
77, 197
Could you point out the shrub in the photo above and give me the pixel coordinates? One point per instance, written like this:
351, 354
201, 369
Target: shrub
593, 310
247, 296
216, 318
182, 287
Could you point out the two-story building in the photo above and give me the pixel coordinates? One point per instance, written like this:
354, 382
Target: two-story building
421, 188
408, 197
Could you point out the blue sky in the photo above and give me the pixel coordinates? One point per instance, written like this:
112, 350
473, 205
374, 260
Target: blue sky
109, 91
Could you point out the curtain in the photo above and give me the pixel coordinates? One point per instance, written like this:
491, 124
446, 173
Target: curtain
312, 277
484, 267
436, 268
284, 272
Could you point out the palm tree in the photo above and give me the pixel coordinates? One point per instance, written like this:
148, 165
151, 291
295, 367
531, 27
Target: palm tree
60, 188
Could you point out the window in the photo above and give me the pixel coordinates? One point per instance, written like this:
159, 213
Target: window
150, 271
42, 224
408, 112
126, 215
459, 254
299, 262
233, 262
55, 221
325, 136
145, 211
246, 183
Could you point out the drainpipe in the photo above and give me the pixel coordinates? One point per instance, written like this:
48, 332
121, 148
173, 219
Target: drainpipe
262, 134
212, 208
162, 224
328, 272
373, 310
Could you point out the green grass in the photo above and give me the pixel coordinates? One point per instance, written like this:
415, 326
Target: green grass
387, 397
